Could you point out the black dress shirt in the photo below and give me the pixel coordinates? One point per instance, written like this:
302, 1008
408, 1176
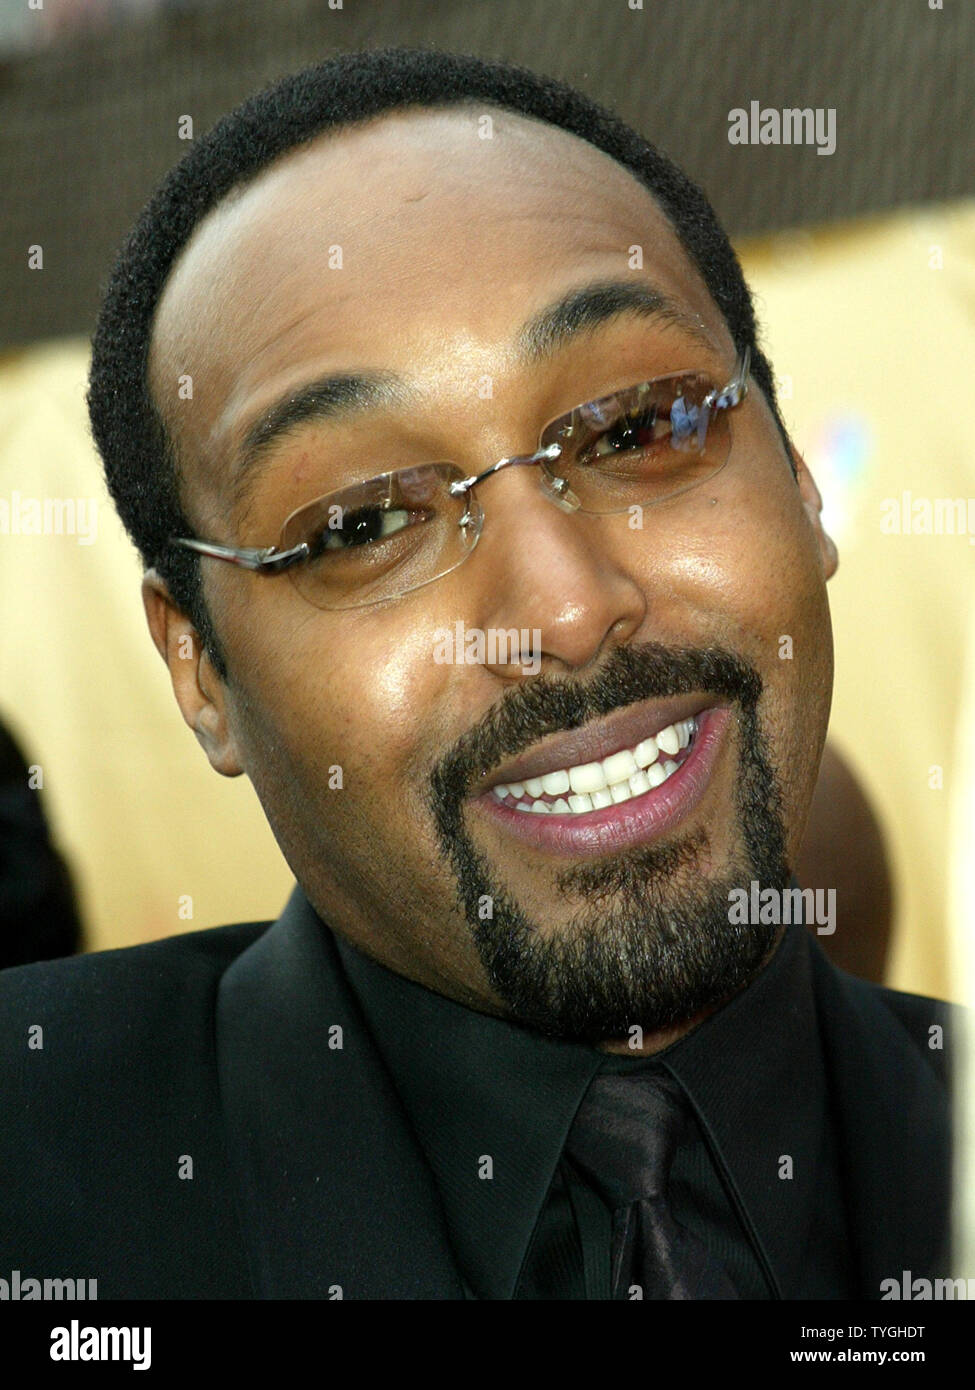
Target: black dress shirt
756, 1176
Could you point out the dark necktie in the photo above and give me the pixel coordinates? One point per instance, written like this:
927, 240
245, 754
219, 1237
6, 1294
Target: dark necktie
623, 1140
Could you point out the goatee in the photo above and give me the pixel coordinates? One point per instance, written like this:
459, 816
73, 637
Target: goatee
652, 945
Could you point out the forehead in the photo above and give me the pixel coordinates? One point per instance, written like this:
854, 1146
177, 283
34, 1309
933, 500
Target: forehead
417, 241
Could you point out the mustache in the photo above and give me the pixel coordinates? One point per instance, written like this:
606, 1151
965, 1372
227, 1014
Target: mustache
529, 712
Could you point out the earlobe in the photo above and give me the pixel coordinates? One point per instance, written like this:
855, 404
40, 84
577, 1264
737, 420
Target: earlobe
813, 504
198, 689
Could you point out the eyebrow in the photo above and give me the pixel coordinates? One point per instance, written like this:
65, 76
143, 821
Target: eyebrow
344, 395
335, 397
591, 305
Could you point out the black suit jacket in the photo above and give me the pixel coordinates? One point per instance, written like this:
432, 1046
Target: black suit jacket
306, 1180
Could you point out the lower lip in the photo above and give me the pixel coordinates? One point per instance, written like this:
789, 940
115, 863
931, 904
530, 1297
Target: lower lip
634, 822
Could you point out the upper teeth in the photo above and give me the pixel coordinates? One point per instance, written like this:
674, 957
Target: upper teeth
630, 772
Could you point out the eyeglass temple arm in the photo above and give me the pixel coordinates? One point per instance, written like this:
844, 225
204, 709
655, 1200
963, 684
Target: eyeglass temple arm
266, 561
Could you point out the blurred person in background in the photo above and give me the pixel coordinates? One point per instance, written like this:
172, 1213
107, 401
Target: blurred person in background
38, 913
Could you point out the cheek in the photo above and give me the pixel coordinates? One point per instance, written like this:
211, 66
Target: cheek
347, 689
739, 566
743, 571
383, 684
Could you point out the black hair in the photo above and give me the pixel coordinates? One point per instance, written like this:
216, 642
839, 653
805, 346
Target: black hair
142, 467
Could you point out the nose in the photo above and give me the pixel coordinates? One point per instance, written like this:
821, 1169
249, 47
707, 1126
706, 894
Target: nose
567, 576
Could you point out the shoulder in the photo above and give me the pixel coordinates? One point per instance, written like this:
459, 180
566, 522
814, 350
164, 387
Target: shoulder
888, 1019
148, 998
111, 1104
136, 973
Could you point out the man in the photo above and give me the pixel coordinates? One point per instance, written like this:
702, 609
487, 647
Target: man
432, 398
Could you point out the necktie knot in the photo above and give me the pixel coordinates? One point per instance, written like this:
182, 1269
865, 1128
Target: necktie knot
626, 1133
624, 1139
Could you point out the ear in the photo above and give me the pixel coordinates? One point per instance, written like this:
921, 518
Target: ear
813, 503
197, 686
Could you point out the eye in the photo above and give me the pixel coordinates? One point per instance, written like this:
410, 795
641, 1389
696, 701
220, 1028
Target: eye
363, 526
640, 429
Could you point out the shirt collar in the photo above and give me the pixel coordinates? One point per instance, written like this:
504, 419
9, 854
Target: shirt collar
491, 1104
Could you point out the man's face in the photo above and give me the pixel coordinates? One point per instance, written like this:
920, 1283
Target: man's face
714, 609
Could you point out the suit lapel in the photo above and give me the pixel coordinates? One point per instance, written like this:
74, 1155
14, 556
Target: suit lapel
334, 1192
893, 1114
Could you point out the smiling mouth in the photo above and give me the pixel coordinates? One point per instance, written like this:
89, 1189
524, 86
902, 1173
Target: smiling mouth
623, 775
627, 798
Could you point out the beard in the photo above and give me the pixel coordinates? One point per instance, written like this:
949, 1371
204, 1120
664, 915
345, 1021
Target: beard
652, 945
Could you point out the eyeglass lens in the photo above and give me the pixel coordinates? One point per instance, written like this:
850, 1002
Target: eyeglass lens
396, 532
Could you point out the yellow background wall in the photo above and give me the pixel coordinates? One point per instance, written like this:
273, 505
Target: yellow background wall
875, 325
871, 329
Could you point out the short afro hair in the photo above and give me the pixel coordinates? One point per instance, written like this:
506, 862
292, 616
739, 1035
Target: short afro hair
142, 467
